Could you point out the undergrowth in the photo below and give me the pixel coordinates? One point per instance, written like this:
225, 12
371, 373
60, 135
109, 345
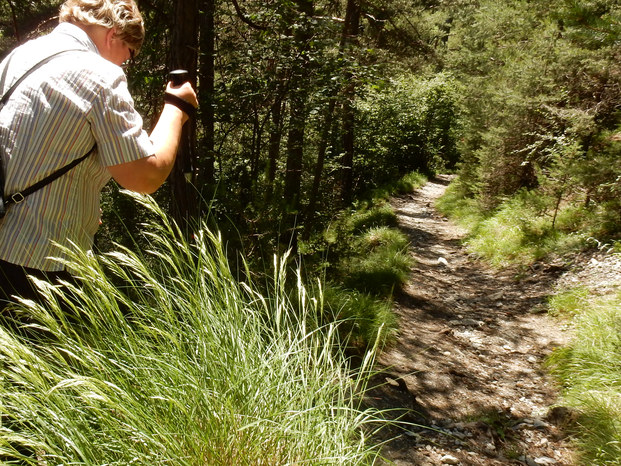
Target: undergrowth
166, 358
590, 372
365, 261
522, 230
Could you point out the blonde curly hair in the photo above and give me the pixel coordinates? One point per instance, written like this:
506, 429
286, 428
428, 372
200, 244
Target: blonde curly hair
122, 15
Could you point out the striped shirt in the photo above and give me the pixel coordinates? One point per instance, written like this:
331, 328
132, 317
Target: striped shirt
55, 116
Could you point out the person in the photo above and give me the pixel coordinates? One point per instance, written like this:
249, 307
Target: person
77, 101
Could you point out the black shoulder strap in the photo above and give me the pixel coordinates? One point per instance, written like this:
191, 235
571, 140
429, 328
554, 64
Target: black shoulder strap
19, 196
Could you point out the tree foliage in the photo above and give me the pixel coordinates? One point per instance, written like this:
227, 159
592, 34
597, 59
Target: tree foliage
306, 104
542, 95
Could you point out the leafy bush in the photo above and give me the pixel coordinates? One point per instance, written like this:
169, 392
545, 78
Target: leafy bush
411, 124
182, 365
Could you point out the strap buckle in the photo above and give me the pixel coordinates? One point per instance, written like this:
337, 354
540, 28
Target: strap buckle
17, 198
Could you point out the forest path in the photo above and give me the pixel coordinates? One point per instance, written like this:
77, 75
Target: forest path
469, 353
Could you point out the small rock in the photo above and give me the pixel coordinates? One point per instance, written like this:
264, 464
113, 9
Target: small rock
471, 322
544, 460
392, 382
527, 460
490, 448
443, 261
449, 459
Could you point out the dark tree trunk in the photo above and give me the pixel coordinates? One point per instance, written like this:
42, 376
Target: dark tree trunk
318, 173
351, 29
273, 147
205, 177
184, 55
297, 124
14, 19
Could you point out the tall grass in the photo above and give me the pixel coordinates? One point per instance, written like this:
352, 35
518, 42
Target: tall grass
590, 371
166, 358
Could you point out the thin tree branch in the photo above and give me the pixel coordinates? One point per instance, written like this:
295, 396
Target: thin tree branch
245, 18
14, 17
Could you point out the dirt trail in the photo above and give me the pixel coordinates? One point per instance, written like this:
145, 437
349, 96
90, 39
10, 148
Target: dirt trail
469, 354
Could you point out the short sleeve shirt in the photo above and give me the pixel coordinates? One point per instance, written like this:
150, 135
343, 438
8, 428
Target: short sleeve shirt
57, 114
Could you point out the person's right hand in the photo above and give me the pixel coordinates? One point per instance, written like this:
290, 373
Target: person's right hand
185, 92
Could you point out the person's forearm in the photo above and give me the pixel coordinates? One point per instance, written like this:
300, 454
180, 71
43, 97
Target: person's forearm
165, 137
149, 173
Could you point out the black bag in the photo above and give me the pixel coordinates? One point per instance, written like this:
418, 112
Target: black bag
16, 198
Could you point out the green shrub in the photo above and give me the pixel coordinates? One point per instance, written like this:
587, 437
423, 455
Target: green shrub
411, 123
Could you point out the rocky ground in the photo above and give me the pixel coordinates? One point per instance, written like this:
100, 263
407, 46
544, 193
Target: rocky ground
466, 374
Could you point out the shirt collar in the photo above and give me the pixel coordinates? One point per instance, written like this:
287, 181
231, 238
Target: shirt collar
79, 35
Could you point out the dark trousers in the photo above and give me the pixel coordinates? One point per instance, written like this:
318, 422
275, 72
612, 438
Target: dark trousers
14, 281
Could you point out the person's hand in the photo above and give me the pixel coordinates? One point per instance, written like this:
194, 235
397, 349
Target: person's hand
186, 93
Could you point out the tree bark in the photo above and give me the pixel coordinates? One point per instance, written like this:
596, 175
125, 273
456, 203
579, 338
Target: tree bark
297, 122
14, 19
184, 55
273, 146
351, 29
205, 177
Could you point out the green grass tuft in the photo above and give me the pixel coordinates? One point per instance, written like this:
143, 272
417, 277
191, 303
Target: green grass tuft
376, 216
380, 273
166, 358
590, 371
570, 302
364, 319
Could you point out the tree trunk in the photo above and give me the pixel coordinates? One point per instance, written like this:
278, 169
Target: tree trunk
205, 177
273, 146
318, 174
297, 123
351, 29
184, 55
14, 19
